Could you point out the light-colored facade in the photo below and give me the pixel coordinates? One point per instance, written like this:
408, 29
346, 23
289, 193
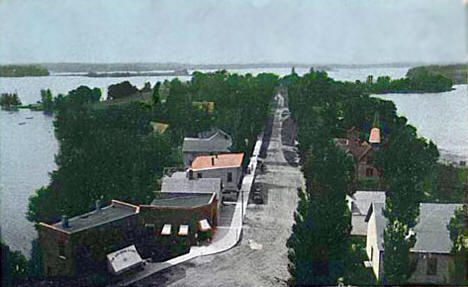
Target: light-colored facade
374, 243
227, 167
230, 176
431, 253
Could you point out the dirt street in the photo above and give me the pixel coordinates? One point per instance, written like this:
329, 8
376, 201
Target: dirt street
260, 258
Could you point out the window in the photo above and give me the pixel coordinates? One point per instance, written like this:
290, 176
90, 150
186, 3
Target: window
432, 266
229, 177
61, 249
371, 253
369, 172
199, 175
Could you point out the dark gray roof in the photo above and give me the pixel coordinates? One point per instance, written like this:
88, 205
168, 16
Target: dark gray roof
113, 212
359, 204
431, 231
178, 184
363, 199
218, 141
432, 235
184, 200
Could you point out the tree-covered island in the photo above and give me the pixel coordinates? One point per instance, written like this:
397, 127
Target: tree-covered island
9, 101
23, 71
458, 73
419, 80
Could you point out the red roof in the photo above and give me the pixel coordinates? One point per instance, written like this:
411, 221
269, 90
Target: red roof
217, 161
374, 136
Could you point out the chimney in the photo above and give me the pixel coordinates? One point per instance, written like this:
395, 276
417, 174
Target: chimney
98, 205
65, 221
212, 160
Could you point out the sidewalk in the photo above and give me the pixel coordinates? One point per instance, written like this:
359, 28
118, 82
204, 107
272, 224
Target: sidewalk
224, 239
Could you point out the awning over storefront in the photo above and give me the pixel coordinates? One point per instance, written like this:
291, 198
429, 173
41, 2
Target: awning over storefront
123, 259
166, 229
183, 230
204, 225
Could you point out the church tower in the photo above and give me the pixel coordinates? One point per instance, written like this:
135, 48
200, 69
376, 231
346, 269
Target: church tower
374, 137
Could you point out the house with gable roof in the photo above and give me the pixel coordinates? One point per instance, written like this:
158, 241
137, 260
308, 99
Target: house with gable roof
207, 143
358, 204
431, 255
226, 166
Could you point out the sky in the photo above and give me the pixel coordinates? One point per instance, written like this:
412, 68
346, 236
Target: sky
237, 31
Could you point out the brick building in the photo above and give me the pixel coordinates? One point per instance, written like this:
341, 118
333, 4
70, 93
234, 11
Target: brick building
362, 153
173, 223
80, 244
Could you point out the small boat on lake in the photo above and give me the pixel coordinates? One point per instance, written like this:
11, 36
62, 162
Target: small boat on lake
28, 118
22, 123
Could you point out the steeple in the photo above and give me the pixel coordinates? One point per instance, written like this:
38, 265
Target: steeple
374, 138
376, 123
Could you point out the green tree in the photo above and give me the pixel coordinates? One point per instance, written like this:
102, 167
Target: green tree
14, 265
106, 152
458, 228
320, 239
8, 100
178, 107
403, 178
159, 112
47, 101
397, 243
121, 90
325, 109
146, 88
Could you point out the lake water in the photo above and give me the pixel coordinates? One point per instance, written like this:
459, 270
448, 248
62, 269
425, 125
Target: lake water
441, 117
28, 145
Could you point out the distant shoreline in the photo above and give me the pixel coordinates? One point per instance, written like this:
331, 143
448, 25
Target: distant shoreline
148, 67
127, 74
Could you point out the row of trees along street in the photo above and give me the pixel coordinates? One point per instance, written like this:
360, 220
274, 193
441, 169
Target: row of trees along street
321, 250
108, 149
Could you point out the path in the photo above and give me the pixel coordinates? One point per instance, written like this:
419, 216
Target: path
260, 258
